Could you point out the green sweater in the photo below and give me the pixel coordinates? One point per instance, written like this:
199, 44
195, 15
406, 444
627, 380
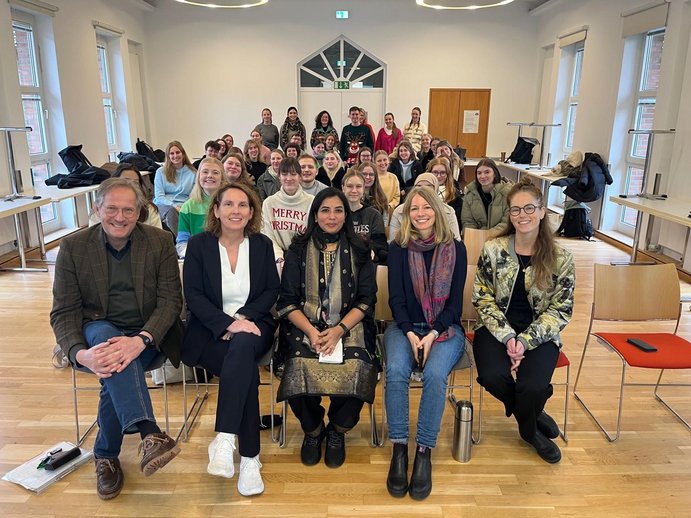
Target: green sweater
191, 222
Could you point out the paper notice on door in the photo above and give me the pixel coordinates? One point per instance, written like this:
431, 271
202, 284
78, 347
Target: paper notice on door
335, 357
471, 121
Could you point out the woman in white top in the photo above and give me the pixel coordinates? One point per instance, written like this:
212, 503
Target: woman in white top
231, 284
414, 129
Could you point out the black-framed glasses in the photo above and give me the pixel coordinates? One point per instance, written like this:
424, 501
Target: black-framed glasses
528, 209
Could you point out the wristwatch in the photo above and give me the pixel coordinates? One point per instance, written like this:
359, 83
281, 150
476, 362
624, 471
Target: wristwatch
148, 342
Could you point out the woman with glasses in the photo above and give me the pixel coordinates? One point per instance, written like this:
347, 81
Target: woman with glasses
427, 272
388, 181
448, 191
284, 214
523, 293
484, 203
373, 193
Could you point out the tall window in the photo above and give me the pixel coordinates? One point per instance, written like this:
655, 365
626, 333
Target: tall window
643, 115
107, 96
572, 107
35, 113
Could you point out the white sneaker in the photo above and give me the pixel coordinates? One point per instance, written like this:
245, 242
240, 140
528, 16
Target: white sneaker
250, 480
221, 450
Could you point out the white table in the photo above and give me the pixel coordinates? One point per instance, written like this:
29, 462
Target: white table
543, 174
55, 195
15, 208
672, 209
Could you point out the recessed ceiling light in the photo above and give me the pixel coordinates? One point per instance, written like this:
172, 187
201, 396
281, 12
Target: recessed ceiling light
224, 4
425, 3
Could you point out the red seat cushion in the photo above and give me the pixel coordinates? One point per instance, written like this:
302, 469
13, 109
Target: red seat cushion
673, 352
563, 360
470, 335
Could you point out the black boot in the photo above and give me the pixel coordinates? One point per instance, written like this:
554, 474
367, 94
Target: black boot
397, 481
421, 477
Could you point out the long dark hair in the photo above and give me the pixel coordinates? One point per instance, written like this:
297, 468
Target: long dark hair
545, 257
357, 244
318, 120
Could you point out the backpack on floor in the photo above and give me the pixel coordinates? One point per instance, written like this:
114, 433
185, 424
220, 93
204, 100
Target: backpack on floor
523, 152
576, 222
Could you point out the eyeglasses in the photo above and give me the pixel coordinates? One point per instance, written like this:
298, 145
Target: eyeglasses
439, 173
127, 212
528, 209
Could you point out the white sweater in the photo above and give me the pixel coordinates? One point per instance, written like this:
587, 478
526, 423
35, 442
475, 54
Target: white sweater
284, 216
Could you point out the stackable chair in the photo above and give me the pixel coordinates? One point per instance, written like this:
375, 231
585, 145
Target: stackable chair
158, 361
383, 316
637, 293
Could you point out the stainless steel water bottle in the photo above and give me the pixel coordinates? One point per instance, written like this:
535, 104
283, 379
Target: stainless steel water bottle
463, 431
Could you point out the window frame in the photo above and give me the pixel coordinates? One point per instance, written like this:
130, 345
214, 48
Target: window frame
642, 97
574, 90
23, 21
110, 114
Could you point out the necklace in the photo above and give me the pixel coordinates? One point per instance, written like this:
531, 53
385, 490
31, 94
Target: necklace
524, 267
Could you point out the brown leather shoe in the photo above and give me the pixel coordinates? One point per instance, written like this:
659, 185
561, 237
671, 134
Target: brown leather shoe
158, 450
109, 478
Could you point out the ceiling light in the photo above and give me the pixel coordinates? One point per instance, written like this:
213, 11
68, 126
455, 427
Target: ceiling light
224, 4
425, 3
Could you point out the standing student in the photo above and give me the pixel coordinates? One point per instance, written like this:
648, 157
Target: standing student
389, 136
231, 285
427, 273
268, 130
327, 298
293, 126
414, 130
523, 294
354, 136
323, 127
173, 184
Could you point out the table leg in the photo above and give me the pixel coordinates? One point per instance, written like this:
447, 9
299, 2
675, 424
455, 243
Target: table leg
39, 230
20, 249
636, 236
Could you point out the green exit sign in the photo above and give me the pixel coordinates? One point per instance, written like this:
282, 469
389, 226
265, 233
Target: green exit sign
341, 85
342, 15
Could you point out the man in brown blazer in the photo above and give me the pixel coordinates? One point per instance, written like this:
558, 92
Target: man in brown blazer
116, 307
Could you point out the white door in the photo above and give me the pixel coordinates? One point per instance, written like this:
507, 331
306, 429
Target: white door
338, 76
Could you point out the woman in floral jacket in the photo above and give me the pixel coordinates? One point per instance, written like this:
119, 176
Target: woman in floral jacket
524, 297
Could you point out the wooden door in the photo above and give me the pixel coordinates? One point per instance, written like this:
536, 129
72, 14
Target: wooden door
462, 117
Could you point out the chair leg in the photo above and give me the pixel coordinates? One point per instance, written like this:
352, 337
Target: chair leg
282, 434
667, 405
374, 433
190, 417
563, 432
80, 438
610, 438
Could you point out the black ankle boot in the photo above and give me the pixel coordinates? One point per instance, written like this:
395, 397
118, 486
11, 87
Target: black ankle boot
421, 477
397, 481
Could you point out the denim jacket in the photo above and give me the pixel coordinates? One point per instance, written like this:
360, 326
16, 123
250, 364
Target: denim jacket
497, 270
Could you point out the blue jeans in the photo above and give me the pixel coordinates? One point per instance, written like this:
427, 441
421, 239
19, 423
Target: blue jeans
399, 364
124, 398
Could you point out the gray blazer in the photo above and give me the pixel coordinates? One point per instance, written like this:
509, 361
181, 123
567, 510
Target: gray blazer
80, 289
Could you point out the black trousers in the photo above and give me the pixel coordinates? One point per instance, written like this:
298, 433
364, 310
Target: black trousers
524, 397
235, 363
344, 412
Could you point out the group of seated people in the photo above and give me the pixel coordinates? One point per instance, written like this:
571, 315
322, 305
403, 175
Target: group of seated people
260, 255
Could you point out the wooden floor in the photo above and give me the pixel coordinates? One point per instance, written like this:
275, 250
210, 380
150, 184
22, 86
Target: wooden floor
648, 472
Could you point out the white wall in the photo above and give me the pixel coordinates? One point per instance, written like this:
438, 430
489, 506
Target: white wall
214, 70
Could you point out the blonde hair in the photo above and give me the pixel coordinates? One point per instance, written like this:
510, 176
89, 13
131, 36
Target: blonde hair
339, 164
442, 229
197, 194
